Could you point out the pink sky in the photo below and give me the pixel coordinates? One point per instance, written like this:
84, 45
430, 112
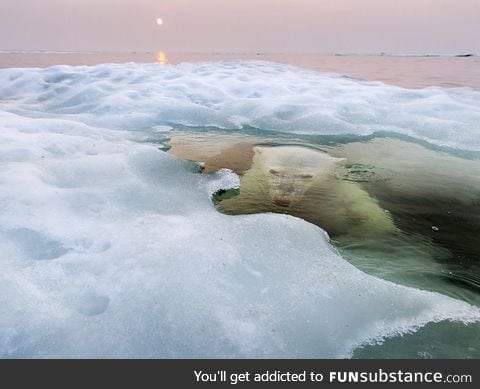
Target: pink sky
326, 26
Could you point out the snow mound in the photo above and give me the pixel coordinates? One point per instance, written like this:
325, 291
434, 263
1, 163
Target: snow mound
235, 94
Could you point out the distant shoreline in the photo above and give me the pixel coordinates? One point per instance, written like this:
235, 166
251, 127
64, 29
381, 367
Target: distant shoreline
339, 54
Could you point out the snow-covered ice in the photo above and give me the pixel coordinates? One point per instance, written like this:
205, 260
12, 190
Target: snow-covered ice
234, 94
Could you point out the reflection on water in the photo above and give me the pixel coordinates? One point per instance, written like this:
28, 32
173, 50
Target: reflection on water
162, 58
433, 199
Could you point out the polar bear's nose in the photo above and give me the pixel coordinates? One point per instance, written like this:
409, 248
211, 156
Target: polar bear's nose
281, 202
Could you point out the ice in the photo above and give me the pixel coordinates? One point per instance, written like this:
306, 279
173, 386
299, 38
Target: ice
110, 247
236, 94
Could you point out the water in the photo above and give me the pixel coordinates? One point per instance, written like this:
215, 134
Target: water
394, 209
444, 340
409, 72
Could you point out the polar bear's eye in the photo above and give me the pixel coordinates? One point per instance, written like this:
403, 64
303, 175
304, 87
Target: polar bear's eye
304, 175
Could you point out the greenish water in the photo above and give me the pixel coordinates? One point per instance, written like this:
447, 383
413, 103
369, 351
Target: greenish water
445, 340
393, 208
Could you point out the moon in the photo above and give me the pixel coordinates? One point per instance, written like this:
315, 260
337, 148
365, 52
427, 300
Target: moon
159, 21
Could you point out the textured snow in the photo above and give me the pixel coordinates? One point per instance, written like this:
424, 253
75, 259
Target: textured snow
110, 247
234, 94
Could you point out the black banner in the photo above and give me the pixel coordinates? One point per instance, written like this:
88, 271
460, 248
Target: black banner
239, 373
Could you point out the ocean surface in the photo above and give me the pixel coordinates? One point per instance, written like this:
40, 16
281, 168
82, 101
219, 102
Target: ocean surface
190, 205
409, 71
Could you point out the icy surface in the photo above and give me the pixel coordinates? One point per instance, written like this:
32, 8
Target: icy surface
110, 247
234, 94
